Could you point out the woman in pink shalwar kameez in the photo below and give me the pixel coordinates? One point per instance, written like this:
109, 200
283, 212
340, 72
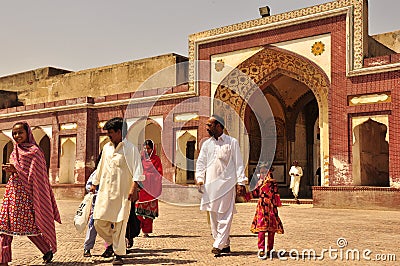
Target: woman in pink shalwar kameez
29, 207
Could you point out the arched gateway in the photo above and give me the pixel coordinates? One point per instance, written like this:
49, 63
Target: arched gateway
297, 92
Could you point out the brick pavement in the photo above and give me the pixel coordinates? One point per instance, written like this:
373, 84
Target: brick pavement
182, 236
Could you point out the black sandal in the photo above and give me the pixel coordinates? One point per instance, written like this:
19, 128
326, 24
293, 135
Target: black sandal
48, 256
129, 243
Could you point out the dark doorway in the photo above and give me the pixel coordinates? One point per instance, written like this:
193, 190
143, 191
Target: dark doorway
45, 146
190, 148
6, 158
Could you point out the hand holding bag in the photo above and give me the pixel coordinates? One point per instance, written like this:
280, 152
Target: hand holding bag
81, 218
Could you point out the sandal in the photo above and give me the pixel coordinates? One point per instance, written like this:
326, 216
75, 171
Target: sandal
261, 254
48, 256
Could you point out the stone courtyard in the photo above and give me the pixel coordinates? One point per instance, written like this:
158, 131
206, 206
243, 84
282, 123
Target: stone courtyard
182, 237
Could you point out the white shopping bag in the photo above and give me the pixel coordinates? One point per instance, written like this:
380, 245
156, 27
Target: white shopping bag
81, 218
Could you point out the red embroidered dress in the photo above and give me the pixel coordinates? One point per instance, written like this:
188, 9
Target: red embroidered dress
29, 206
17, 216
266, 218
147, 205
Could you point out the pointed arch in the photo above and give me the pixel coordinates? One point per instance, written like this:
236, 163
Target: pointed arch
67, 160
145, 128
6, 147
263, 67
43, 140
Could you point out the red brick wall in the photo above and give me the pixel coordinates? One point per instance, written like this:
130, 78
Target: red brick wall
373, 198
337, 97
383, 82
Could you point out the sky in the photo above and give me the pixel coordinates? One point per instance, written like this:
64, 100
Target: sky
82, 34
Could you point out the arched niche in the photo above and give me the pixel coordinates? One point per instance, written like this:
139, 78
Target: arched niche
370, 165
147, 128
67, 161
153, 132
6, 147
144, 129
103, 140
185, 155
43, 140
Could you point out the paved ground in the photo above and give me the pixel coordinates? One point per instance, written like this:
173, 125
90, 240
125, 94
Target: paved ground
182, 236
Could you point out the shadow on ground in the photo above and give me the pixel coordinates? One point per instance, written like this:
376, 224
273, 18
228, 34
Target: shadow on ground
138, 251
249, 235
241, 253
158, 261
174, 236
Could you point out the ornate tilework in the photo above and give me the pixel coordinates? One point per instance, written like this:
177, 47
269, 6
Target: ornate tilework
236, 89
318, 48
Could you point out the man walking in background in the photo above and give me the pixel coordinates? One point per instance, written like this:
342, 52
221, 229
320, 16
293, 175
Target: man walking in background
295, 172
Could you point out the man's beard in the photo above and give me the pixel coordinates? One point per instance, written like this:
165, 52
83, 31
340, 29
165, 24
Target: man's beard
210, 133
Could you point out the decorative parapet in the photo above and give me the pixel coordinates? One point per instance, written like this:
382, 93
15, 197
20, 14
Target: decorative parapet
357, 33
160, 94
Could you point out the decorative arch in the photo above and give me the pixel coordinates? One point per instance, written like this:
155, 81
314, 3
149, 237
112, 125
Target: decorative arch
43, 140
148, 128
67, 160
140, 130
185, 153
370, 162
297, 107
277, 105
45, 145
263, 67
6, 148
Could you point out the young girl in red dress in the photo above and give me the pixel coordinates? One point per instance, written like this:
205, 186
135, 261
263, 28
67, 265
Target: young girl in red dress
266, 218
29, 207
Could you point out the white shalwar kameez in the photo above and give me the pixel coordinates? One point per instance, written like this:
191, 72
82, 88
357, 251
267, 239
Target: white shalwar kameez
118, 168
295, 173
220, 167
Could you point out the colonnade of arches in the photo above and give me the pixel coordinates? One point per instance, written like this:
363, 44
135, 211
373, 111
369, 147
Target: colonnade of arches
184, 153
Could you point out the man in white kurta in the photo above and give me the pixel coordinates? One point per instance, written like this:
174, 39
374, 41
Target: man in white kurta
219, 169
295, 172
118, 172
